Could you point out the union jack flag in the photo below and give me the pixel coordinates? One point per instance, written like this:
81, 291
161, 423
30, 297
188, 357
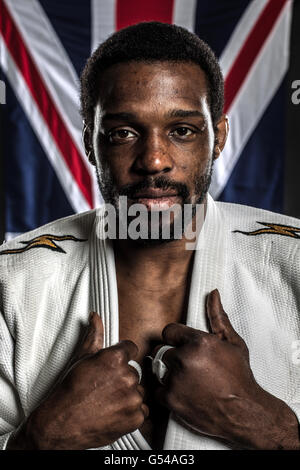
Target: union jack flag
43, 47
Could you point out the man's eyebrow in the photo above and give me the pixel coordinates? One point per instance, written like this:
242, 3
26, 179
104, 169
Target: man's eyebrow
174, 113
182, 113
119, 117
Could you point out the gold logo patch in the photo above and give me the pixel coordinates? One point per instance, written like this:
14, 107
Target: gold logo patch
43, 241
275, 229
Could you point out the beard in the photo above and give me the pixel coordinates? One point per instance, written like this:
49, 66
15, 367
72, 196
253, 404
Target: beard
176, 228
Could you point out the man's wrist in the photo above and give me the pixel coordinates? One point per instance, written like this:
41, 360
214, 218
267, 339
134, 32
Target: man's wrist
272, 425
19, 440
285, 432
29, 435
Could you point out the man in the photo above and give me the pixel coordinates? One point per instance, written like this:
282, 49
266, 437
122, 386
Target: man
152, 99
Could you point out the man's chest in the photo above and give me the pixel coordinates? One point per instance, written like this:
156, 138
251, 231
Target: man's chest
142, 319
144, 315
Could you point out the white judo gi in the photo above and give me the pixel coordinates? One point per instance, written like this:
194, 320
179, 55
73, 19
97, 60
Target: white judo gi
52, 277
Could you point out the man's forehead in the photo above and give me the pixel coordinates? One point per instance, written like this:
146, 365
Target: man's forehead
138, 82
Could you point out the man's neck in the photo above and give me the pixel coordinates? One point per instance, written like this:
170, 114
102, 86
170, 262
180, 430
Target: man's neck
150, 265
159, 265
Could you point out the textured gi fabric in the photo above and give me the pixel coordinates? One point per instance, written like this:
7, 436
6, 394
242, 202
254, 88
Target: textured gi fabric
46, 295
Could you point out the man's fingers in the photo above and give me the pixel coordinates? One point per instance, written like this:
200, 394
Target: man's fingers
92, 340
145, 410
144, 407
136, 369
129, 348
141, 390
218, 319
96, 331
176, 334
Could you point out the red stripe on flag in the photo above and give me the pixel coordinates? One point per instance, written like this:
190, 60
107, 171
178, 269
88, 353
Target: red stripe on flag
130, 12
47, 108
250, 49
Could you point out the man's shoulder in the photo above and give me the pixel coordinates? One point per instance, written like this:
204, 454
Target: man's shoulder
59, 238
253, 221
257, 229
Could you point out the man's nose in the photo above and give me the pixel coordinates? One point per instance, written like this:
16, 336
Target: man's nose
153, 156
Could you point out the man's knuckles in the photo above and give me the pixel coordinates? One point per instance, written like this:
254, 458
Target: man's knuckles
134, 401
127, 379
198, 342
119, 354
130, 349
203, 351
134, 412
137, 420
174, 333
114, 357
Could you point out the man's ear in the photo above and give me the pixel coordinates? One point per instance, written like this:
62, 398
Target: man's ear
221, 133
87, 142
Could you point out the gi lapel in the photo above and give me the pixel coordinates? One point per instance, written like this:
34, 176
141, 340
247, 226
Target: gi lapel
209, 272
104, 300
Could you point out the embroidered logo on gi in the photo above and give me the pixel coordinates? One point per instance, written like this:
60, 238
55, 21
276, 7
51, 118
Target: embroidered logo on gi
43, 241
275, 229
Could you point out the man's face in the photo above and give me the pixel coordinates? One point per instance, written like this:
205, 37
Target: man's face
153, 137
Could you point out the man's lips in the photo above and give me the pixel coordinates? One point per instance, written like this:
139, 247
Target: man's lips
154, 193
156, 199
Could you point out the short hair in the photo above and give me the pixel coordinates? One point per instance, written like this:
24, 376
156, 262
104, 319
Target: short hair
151, 42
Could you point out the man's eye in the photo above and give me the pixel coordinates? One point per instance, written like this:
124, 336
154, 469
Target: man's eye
121, 135
182, 132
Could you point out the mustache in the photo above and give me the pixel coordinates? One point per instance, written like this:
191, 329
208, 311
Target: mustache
160, 182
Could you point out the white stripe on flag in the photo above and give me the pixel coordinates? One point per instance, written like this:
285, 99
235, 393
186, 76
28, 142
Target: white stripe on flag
40, 127
55, 68
240, 34
255, 94
184, 14
103, 20
11, 235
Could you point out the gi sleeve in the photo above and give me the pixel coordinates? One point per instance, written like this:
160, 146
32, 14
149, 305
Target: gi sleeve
11, 413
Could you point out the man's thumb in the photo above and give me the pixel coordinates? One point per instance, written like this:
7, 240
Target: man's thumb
92, 340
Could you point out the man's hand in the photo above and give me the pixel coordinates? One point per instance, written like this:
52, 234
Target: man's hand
97, 401
210, 386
